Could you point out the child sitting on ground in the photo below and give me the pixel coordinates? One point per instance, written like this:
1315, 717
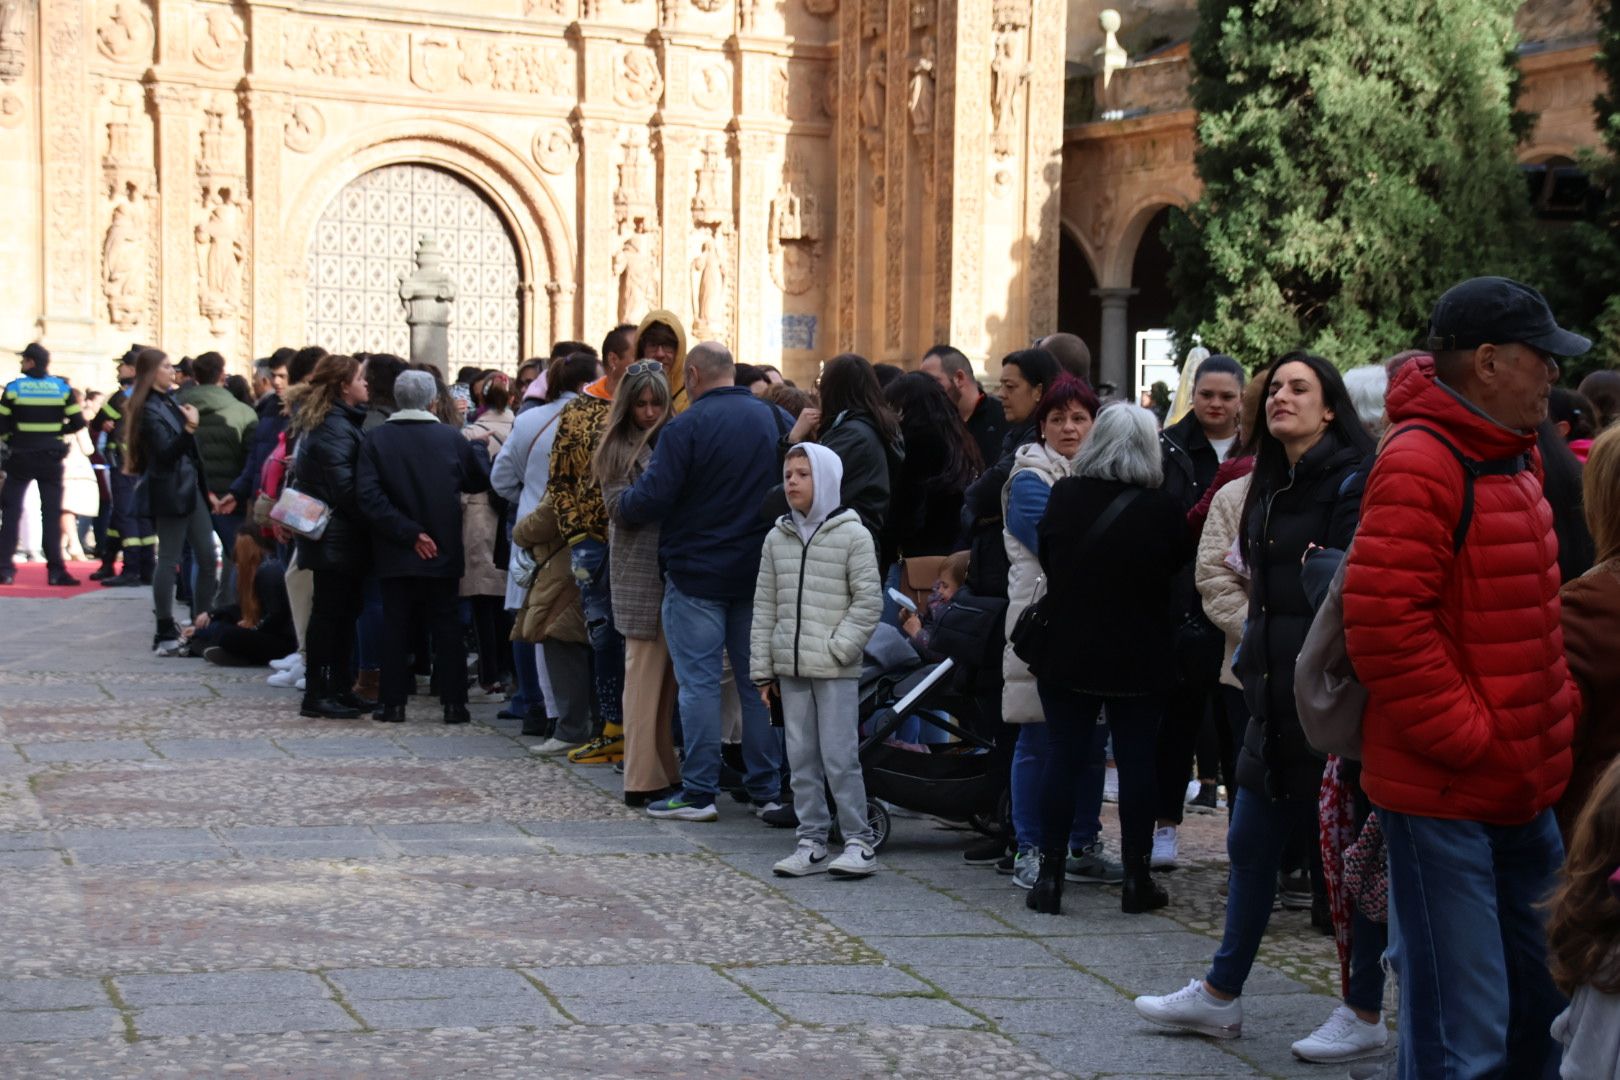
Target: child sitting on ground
1583, 938
952, 576
817, 602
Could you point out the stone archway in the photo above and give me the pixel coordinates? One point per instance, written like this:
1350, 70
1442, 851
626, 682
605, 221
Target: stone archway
364, 241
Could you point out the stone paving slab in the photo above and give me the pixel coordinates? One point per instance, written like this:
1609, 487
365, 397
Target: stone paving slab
234, 1018
531, 1010
51, 993
140, 991
16, 1027
846, 1009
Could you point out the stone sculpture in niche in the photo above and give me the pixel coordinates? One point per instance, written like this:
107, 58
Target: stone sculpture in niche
220, 254
635, 264
1008, 75
711, 283
306, 127
874, 92
13, 41
637, 81
219, 40
920, 92
126, 32
554, 150
123, 258
780, 89
794, 234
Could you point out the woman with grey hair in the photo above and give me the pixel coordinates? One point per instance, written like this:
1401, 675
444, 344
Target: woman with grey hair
1367, 386
1111, 543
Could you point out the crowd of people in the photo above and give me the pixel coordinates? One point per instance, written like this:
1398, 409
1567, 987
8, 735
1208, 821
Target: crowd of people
656, 558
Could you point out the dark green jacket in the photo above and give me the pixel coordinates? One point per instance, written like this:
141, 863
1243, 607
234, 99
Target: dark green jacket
224, 433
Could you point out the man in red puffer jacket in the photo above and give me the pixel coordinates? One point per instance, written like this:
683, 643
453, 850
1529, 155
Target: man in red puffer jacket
1451, 620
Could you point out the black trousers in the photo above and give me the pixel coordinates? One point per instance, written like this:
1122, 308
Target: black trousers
329, 641
24, 467
136, 537
257, 646
493, 627
1184, 713
411, 603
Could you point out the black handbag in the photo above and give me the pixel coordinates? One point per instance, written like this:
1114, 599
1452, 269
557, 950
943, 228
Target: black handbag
1028, 635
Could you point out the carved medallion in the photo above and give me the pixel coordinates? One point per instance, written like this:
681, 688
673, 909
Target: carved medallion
434, 60
306, 127
636, 79
124, 32
554, 149
711, 88
218, 40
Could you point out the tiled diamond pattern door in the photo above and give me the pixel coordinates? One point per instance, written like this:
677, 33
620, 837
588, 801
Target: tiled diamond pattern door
364, 242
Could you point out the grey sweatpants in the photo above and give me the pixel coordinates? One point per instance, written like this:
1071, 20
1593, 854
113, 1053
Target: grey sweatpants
821, 719
172, 534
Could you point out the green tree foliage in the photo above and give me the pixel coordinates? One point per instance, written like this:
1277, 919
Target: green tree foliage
1357, 159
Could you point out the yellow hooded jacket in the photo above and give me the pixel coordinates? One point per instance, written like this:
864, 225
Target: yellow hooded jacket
677, 380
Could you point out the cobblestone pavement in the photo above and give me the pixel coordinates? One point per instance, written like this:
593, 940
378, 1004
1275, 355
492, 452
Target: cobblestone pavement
195, 882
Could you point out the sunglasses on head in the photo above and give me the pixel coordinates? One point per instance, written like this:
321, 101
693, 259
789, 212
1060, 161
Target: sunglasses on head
645, 367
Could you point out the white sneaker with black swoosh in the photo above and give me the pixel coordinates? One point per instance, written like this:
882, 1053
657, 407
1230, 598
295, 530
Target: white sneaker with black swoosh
858, 860
807, 858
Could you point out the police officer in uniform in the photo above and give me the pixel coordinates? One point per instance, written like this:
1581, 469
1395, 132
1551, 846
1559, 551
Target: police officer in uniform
126, 532
36, 412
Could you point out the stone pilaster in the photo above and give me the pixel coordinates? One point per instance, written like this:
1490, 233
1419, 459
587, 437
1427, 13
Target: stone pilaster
274, 303
675, 147
757, 160
66, 115
601, 153
176, 106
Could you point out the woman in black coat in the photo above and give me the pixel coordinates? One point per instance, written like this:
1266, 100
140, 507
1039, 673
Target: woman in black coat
1111, 543
162, 451
855, 423
925, 512
327, 412
1305, 493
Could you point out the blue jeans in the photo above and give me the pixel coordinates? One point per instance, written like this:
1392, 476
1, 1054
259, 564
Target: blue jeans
1471, 945
225, 527
607, 644
1030, 757
1368, 940
699, 631
1260, 829
1075, 765
528, 699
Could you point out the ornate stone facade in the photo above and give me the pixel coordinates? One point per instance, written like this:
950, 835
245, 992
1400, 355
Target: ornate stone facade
791, 178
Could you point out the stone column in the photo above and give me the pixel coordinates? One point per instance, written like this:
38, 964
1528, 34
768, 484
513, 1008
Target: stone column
267, 114
602, 154
561, 299
177, 199
428, 293
674, 148
65, 115
756, 152
1114, 349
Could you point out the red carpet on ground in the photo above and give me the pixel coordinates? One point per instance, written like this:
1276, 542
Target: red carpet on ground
30, 583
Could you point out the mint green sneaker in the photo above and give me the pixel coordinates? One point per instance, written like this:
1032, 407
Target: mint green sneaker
1026, 868
681, 807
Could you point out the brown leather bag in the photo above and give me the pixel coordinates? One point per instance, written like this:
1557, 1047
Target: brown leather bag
917, 577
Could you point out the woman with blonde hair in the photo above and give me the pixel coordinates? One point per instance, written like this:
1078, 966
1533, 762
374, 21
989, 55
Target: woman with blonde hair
639, 410
326, 413
1591, 618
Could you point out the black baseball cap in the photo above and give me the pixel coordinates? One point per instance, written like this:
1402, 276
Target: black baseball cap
1499, 311
37, 355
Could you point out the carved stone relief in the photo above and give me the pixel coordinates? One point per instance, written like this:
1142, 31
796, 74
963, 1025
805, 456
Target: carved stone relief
922, 14
554, 149
218, 39
341, 53
780, 88
821, 7
711, 88
1008, 77
747, 15
636, 79
305, 129
920, 90
12, 111
711, 282
545, 7
440, 62
711, 201
794, 234
221, 251
13, 41
708, 5
635, 264
124, 32
874, 96
127, 250
636, 194
874, 17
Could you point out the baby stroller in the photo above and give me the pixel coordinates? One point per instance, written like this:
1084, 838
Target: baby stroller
961, 780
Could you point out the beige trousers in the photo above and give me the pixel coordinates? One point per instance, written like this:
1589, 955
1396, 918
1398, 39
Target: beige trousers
300, 584
649, 704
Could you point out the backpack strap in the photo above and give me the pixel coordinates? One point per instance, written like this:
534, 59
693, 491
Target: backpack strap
1473, 468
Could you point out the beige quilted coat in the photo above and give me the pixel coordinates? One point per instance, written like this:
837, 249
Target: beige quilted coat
1225, 592
815, 604
551, 610
1020, 700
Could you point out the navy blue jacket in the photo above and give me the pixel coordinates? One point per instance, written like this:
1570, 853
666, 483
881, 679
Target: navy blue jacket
411, 477
704, 485
271, 425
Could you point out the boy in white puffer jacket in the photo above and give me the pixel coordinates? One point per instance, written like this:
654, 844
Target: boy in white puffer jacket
818, 599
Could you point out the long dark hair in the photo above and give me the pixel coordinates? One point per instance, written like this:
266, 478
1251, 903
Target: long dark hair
927, 414
147, 362
1271, 466
848, 384
1584, 928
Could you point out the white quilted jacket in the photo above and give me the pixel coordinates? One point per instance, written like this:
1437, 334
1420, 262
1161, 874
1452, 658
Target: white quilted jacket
815, 604
1225, 592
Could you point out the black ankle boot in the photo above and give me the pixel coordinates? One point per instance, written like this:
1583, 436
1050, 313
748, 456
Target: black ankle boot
1141, 892
1047, 895
390, 714
319, 701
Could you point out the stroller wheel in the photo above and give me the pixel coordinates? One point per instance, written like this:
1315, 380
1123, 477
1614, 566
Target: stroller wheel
994, 822
878, 815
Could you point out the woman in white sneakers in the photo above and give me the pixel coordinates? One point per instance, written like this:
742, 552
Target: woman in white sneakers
817, 602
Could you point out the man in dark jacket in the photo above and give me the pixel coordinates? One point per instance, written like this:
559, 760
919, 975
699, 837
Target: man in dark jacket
704, 486
271, 423
981, 412
412, 473
225, 430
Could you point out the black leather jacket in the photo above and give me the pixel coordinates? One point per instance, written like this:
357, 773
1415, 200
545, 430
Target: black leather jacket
325, 464
171, 478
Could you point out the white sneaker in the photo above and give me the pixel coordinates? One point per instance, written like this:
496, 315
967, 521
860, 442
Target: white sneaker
170, 647
761, 809
1193, 788
300, 683
1164, 848
1195, 1009
858, 860
1111, 785
554, 746
1026, 868
806, 859
286, 676
291, 660
1344, 1036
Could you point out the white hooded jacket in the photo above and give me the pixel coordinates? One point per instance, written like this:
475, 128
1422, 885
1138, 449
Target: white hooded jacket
818, 597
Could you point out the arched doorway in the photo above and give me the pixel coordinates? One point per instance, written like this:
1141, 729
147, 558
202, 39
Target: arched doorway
1078, 312
364, 241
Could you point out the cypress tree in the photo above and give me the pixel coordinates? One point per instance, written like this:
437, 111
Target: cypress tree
1357, 159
